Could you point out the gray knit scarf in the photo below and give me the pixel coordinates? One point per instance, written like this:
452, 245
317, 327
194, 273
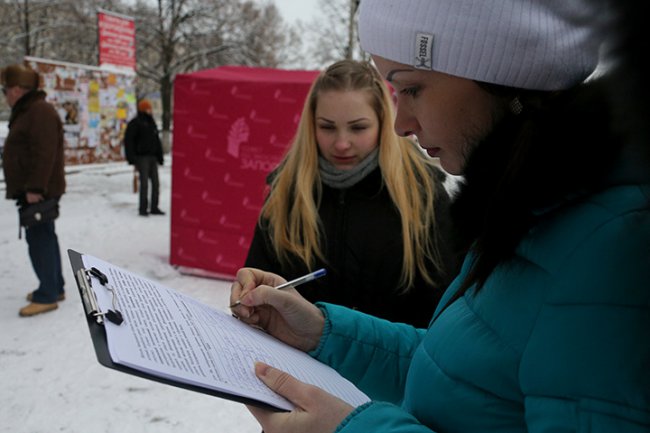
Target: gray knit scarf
341, 179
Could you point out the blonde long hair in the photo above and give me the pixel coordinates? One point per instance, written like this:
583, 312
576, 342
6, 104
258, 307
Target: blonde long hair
291, 207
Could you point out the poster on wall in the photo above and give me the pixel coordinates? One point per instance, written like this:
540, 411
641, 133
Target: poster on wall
116, 39
95, 105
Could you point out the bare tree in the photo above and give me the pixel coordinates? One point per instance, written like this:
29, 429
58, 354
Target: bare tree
334, 36
172, 36
56, 29
26, 24
64, 30
185, 35
161, 33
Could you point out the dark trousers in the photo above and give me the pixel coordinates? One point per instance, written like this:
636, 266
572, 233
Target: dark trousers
43, 246
148, 172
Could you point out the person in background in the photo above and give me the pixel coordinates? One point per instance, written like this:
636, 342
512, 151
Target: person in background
143, 149
352, 197
545, 329
33, 164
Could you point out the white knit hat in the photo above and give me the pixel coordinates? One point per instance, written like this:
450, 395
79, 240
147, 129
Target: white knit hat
530, 44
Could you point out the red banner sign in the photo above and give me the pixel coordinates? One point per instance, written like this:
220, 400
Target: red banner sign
116, 40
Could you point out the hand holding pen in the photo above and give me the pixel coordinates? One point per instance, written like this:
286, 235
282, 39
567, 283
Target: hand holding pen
293, 283
286, 316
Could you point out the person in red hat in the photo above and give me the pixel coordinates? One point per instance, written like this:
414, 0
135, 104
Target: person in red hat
33, 166
143, 150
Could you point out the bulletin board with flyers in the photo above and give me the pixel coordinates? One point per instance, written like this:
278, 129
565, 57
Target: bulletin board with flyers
95, 105
232, 126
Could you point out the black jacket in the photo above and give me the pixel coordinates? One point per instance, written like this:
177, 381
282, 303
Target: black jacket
141, 139
361, 236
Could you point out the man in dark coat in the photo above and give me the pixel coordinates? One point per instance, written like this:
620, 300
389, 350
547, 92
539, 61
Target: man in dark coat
34, 171
143, 149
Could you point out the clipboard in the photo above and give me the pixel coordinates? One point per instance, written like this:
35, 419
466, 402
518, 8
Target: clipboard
94, 319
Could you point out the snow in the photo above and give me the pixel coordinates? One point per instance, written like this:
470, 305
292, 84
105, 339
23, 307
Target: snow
50, 380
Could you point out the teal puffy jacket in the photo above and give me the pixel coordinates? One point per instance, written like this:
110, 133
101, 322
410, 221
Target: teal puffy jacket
557, 340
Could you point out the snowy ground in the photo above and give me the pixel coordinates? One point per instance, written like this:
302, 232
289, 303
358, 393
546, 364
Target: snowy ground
50, 380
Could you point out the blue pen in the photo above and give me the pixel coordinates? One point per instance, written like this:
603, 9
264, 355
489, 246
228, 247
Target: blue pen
293, 283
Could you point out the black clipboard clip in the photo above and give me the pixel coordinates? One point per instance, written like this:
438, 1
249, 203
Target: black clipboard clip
84, 279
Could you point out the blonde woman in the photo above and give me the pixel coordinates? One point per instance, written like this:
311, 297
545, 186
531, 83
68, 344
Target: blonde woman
353, 197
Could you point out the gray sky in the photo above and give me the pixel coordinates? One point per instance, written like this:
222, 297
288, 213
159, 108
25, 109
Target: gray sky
293, 10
